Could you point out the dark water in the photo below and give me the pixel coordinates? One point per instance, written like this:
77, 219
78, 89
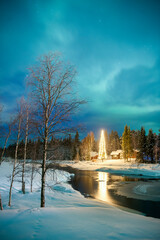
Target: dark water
96, 185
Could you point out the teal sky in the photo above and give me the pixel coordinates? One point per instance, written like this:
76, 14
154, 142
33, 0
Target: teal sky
114, 44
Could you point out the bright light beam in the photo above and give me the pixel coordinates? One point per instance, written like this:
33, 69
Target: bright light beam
102, 147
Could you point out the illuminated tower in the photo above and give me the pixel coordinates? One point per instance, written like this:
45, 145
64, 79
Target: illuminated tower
102, 147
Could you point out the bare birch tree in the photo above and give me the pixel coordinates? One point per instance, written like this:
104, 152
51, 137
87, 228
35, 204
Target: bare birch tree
34, 158
26, 108
19, 121
51, 82
7, 135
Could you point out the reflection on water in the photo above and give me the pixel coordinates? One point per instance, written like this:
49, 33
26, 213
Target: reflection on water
102, 192
94, 184
97, 185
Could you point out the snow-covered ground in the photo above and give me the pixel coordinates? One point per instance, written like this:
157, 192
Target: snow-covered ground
143, 190
117, 167
68, 215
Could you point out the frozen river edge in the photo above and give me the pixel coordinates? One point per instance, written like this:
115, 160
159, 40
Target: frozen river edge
68, 215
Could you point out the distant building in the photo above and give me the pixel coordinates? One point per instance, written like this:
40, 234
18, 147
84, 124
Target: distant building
119, 154
134, 154
94, 155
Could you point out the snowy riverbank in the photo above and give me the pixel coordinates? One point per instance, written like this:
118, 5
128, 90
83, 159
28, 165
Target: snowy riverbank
149, 190
117, 167
68, 215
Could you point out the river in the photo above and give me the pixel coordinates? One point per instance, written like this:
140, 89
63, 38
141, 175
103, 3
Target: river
104, 187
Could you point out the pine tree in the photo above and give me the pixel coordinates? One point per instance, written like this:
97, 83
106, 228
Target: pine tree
95, 146
117, 141
86, 148
113, 142
124, 143
92, 140
76, 146
158, 146
69, 147
129, 143
150, 145
88, 153
135, 138
142, 145
76, 139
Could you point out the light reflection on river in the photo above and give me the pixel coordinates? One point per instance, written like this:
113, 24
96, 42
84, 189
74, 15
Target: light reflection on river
99, 185
102, 193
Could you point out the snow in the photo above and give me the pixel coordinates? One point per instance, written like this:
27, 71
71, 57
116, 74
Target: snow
68, 215
117, 167
94, 154
138, 190
116, 152
141, 189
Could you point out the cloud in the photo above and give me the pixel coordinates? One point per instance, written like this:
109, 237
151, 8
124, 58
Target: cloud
13, 88
115, 57
137, 86
133, 98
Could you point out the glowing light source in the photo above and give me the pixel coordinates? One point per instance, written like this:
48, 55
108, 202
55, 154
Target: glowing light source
102, 190
102, 147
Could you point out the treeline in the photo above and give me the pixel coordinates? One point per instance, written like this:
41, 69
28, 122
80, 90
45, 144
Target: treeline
67, 148
147, 146
57, 149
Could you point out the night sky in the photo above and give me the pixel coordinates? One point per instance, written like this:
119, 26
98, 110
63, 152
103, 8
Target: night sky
114, 44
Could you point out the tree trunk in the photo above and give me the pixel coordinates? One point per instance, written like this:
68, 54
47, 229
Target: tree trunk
44, 165
5, 145
25, 153
33, 168
43, 174
15, 160
12, 179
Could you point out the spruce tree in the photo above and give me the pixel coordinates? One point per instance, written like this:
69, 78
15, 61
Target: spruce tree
135, 137
142, 145
113, 142
117, 141
86, 148
158, 146
129, 143
92, 140
124, 143
76, 139
150, 145
76, 146
88, 153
